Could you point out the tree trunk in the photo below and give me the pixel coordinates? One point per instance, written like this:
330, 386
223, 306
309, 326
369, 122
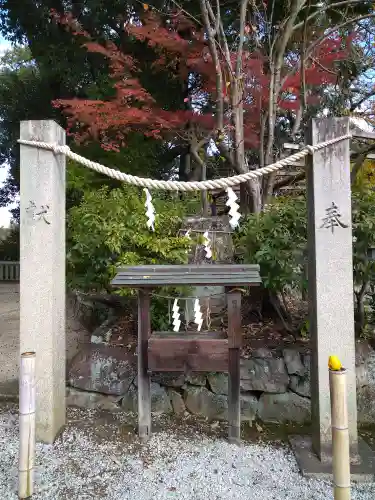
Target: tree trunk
184, 167
250, 198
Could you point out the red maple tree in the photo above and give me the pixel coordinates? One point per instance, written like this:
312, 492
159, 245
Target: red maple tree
232, 93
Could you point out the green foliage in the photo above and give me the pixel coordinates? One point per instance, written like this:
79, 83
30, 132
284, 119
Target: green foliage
365, 178
32, 77
277, 240
363, 208
10, 246
24, 95
363, 215
109, 229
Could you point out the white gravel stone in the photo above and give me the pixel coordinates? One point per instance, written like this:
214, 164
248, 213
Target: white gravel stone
79, 466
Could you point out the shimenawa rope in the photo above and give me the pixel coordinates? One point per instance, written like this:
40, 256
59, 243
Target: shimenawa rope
222, 183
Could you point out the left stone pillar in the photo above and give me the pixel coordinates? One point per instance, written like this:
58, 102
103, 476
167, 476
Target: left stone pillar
42, 277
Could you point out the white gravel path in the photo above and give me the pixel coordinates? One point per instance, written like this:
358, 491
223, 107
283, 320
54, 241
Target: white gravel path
81, 466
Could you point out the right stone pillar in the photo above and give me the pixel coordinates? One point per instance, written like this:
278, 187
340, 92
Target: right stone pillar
330, 277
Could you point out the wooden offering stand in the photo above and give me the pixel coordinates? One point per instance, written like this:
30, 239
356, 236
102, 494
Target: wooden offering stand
189, 351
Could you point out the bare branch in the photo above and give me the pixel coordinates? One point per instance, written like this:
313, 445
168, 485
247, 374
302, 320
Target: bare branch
276, 63
335, 28
216, 61
362, 100
203, 166
293, 179
242, 36
323, 9
223, 50
216, 20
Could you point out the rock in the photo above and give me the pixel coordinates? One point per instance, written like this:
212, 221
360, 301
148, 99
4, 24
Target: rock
300, 385
292, 359
200, 401
363, 357
104, 369
160, 402
103, 333
130, 400
249, 407
177, 401
307, 364
196, 379
362, 352
361, 375
262, 352
366, 405
266, 375
92, 400
287, 407
168, 379
218, 383
77, 335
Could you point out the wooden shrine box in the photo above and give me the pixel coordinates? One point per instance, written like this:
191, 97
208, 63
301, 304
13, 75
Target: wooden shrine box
189, 351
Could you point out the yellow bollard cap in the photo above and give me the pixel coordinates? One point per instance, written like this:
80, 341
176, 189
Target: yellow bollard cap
334, 363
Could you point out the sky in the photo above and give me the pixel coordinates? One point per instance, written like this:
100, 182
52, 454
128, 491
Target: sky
4, 211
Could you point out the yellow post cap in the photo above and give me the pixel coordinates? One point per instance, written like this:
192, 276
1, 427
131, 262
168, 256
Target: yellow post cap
334, 363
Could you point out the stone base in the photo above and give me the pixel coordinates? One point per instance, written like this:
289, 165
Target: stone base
311, 466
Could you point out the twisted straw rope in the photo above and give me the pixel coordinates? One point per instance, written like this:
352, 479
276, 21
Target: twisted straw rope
222, 183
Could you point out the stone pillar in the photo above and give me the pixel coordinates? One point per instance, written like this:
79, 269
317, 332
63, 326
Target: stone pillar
220, 234
42, 280
330, 277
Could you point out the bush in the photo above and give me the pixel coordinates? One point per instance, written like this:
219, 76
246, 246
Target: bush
10, 246
363, 208
109, 229
277, 240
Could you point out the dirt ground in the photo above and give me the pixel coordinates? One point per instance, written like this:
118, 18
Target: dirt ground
9, 337
76, 334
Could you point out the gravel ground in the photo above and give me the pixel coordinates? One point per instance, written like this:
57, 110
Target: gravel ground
102, 458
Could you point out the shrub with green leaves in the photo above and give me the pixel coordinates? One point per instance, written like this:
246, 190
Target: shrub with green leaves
277, 240
363, 216
109, 229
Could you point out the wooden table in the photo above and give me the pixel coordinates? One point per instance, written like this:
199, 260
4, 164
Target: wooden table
189, 351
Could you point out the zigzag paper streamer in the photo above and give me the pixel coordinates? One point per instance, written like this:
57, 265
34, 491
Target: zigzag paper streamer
150, 210
198, 318
233, 212
176, 316
207, 245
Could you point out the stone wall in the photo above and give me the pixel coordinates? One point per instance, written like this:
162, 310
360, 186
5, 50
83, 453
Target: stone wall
275, 385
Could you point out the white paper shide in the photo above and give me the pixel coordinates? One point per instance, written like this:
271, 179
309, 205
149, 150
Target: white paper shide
176, 316
207, 245
198, 317
150, 210
234, 208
